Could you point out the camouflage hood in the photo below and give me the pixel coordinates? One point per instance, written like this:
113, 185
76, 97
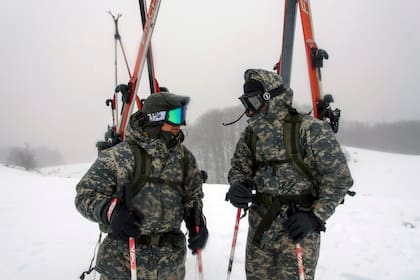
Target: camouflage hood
278, 106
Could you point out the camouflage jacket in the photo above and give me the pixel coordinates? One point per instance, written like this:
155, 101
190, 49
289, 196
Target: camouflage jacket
323, 155
160, 205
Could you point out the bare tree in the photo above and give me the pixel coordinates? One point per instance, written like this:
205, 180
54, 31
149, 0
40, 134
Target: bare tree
23, 157
213, 144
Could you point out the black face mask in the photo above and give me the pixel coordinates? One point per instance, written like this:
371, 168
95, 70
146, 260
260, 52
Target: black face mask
170, 139
167, 137
153, 130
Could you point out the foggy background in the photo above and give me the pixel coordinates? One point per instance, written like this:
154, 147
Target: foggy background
57, 62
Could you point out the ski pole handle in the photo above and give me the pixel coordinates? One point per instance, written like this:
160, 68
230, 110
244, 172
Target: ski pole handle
301, 270
131, 242
128, 192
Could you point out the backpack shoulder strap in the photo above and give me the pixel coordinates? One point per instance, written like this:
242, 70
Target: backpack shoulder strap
184, 162
251, 140
291, 139
142, 166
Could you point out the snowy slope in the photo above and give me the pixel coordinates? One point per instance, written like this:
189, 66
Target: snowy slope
374, 235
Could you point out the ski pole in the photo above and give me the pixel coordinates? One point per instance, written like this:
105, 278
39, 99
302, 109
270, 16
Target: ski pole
197, 230
301, 270
128, 191
114, 101
133, 264
298, 250
117, 38
199, 260
235, 237
131, 240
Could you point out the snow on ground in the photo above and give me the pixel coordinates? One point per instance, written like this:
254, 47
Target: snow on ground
374, 235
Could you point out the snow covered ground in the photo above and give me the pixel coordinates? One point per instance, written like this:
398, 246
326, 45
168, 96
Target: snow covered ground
375, 235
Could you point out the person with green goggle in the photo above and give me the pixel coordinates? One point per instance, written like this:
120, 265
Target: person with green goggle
153, 212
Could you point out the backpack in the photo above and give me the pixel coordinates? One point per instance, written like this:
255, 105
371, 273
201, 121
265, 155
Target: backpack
143, 164
141, 174
295, 154
291, 138
294, 151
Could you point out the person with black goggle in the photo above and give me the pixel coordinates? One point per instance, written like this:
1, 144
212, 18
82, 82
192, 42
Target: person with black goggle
255, 97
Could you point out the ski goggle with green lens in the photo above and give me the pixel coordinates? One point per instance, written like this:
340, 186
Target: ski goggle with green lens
174, 117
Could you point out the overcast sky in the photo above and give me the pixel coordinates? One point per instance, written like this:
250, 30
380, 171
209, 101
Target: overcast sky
57, 60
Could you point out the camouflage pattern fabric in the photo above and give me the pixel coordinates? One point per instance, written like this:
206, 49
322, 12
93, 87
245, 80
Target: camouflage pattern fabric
275, 257
269, 81
323, 155
159, 204
166, 262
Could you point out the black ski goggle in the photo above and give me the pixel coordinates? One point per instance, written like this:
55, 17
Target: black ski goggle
254, 101
175, 116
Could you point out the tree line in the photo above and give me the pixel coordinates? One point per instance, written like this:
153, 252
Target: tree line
29, 157
213, 144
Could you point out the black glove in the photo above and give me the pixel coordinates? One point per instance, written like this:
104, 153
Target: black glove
302, 223
123, 223
239, 194
204, 175
196, 240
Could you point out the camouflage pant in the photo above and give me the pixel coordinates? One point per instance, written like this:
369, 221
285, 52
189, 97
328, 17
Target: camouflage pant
153, 263
275, 257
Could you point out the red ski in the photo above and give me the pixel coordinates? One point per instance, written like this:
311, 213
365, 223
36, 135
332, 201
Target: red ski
314, 56
153, 83
131, 90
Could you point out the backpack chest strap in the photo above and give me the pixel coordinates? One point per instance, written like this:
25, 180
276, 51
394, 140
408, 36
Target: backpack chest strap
274, 205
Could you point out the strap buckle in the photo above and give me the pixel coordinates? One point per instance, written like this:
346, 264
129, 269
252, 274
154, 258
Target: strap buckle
155, 240
150, 240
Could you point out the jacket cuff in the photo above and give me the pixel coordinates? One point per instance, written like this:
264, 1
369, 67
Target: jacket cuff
320, 223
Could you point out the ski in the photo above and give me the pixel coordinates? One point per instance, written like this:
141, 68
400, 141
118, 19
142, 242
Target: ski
284, 66
129, 91
153, 83
312, 51
314, 57
129, 97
